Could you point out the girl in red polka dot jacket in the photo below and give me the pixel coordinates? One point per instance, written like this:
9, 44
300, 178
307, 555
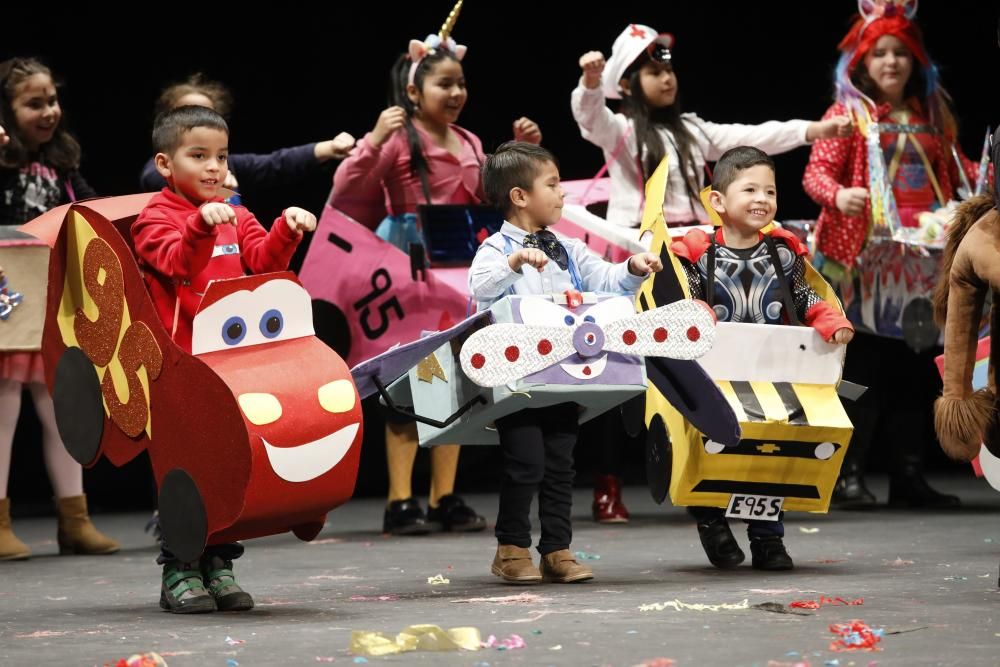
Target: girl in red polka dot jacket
884, 72
885, 76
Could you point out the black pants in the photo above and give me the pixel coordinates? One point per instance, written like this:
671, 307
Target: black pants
754, 528
537, 447
223, 551
898, 407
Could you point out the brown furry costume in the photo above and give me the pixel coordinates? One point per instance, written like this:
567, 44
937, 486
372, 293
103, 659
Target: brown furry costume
971, 265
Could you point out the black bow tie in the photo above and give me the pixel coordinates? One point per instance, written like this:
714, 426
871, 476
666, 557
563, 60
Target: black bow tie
547, 242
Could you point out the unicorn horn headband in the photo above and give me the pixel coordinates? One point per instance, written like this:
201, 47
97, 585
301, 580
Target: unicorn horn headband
421, 49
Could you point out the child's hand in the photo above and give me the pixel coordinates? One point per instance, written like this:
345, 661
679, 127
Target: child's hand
842, 336
530, 256
526, 129
389, 121
831, 128
337, 148
300, 220
3, 136
851, 201
644, 263
217, 213
592, 64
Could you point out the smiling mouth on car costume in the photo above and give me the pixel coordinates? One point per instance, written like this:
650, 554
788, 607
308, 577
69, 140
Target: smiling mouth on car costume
308, 461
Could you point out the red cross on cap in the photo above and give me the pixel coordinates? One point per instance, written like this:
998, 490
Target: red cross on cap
637, 32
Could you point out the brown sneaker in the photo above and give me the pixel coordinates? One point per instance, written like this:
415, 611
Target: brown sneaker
514, 566
561, 568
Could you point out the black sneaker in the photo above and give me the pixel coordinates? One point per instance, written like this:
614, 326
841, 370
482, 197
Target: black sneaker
720, 546
913, 491
453, 515
850, 493
221, 583
183, 591
405, 517
769, 554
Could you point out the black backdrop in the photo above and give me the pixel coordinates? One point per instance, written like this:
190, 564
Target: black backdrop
301, 73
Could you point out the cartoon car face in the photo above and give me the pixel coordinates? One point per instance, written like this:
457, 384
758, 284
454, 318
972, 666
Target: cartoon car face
256, 433
297, 397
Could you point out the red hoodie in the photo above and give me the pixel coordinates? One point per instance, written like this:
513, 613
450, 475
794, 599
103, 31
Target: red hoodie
179, 255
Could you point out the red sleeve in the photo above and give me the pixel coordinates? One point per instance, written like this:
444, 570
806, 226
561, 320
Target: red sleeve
692, 246
825, 319
791, 240
175, 247
264, 251
824, 175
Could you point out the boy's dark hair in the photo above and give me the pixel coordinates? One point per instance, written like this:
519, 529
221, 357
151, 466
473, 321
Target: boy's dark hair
735, 160
515, 164
170, 126
198, 83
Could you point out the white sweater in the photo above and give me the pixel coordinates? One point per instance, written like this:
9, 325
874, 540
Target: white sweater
603, 128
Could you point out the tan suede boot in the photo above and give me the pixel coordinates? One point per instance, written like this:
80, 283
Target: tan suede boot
11, 548
513, 565
77, 535
560, 567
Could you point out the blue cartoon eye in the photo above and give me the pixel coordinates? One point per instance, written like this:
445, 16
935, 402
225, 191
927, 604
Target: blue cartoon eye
234, 330
569, 320
271, 323
589, 318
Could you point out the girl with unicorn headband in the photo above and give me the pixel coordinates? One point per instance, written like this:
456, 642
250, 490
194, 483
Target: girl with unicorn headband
416, 154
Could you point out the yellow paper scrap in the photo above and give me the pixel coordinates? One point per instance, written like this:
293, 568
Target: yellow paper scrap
424, 637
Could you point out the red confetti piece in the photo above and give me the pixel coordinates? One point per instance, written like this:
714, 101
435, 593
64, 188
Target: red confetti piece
823, 601
586, 370
855, 636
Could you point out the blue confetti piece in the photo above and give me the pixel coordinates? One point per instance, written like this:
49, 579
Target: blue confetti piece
232, 663
360, 661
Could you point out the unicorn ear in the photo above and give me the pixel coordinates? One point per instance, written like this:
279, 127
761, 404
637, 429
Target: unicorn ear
869, 9
417, 50
910, 9
460, 50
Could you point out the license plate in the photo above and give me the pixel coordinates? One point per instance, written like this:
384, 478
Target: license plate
759, 508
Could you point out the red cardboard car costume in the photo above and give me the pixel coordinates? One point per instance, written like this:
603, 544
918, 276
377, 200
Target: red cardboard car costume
261, 398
